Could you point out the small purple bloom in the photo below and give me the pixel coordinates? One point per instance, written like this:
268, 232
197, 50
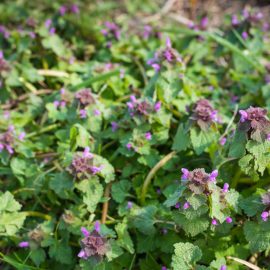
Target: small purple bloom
82, 254
95, 169
213, 175
62, 10
268, 137
75, 9
223, 267
97, 112
6, 114
245, 35
23, 244
133, 98
156, 67
9, 149
185, 173
158, 191
204, 23
222, 141
157, 106
56, 103
214, 222
85, 232
129, 205
52, 31
148, 136
11, 128
147, 31
86, 153
265, 216
168, 42
128, 146
32, 34
48, 23
62, 91
234, 20
114, 126
244, 116
164, 231
163, 268
21, 136
1, 55
186, 205
62, 104
225, 188
177, 206
1, 147
228, 220
97, 226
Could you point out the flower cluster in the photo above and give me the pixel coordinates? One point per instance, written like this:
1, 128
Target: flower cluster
256, 123
266, 201
3, 63
8, 139
198, 179
204, 114
69, 9
83, 164
143, 107
93, 244
169, 55
85, 97
202, 25
111, 31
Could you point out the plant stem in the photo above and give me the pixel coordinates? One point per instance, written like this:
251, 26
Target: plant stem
42, 130
152, 173
106, 204
37, 214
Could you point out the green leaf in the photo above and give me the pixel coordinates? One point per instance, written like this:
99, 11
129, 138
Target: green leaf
114, 251
18, 166
124, 239
185, 256
61, 252
201, 139
216, 207
173, 198
120, 190
38, 256
10, 223
252, 205
61, 183
92, 193
191, 227
143, 219
258, 235
79, 136
107, 171
181, 140
237, 148
8, 203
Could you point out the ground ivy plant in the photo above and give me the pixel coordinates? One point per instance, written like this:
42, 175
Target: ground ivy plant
132, 145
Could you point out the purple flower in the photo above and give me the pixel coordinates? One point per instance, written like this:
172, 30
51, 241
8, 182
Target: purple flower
56, 103
157, 106
177, 206
9, 149
158, 191
148, 136
163, 268
1, 55
23, 244
213, 175
186, 205
222, 141
21, 136
97, 112
52, 30
85, 232
75, 9
265, 216
168, 43
114, 126
82, 254
164, 231
129, 205
214, 222
83, 113
268, 137
62, 10
85, 97
234, 20
128, 146
245, 35
95, 169
223, 267
86, 153
185, 173
228, 220
48, 23
97, 226
156, 67
204, 23
1, 147
6, 114
32, 34
147, 31
225, 188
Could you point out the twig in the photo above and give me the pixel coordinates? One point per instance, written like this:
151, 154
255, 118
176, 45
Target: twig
163, 11
13, 103
231, 122
53, 73
106, 204
152, 173
248, 264
180, 19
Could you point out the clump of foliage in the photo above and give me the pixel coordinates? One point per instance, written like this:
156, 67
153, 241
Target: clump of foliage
126, 145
